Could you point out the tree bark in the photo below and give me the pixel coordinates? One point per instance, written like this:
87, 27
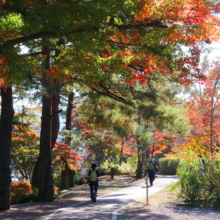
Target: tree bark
56, 119
45, 160
43, 175
69, 116
7, 113
141, 161
121, 154
56, 89
71, 173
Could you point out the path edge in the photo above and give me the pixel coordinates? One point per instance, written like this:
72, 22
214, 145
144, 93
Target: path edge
115, 213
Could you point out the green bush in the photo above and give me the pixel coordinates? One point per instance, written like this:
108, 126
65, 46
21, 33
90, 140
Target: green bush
80, 178
168, 166
200, 189
105, 168
57, 179
125, 168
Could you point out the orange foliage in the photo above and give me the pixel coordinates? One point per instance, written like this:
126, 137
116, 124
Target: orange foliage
162, 143
203, 110
183, 12
63, 150
20, 188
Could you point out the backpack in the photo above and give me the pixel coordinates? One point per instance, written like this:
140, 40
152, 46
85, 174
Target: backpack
93, 175
150, 166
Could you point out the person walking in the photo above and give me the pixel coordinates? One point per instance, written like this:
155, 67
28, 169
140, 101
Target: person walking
156, 167
151, 171
93, 181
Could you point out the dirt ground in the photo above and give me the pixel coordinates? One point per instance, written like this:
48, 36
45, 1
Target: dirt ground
166, 205
37, 211
162, 205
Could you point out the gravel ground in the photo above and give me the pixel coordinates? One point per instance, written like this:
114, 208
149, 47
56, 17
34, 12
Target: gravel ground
167, 205
172, 212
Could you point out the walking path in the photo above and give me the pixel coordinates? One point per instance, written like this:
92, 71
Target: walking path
107, 206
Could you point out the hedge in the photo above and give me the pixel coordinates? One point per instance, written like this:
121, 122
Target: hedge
168, 166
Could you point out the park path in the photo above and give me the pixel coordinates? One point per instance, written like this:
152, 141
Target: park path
107, 206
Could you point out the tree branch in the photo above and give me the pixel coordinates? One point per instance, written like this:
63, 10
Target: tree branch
68, 101
20, 167
55, 113
111, 95
46, 34
13, 9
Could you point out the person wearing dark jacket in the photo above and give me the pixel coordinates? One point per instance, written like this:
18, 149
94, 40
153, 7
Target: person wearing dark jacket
93, 181
157, 166
151, 171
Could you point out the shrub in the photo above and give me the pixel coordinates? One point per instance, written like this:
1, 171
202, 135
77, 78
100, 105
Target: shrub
21, 192
80, 178
200, 189
168, 166
125, 168
57, 179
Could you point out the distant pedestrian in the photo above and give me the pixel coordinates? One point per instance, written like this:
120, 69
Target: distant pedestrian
151, 171
156, 166
93, 181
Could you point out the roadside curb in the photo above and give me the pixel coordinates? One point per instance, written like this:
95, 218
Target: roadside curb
115, 213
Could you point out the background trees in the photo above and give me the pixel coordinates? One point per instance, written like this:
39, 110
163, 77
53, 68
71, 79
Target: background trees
110, 47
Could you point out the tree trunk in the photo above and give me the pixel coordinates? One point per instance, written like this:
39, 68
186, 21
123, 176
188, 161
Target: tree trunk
7, 114
43, 175
69, 116
64, 184
56, 89
112, 173
141, 161
121, 154
45, 160
55, 104
71, 174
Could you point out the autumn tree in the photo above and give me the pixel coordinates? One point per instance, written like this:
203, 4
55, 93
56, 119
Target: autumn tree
96, 31
148, 108
25, 141
203, 110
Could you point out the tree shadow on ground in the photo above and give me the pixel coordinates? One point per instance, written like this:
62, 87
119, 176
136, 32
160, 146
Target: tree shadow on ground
36, 210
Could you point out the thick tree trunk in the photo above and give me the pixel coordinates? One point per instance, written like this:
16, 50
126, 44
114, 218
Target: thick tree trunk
55, 104
35, 176
141, 161
7, 114
45, 160
56, 89
71, 174
64, 184
43, 175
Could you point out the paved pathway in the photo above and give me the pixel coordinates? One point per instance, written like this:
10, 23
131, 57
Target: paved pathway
106, 205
